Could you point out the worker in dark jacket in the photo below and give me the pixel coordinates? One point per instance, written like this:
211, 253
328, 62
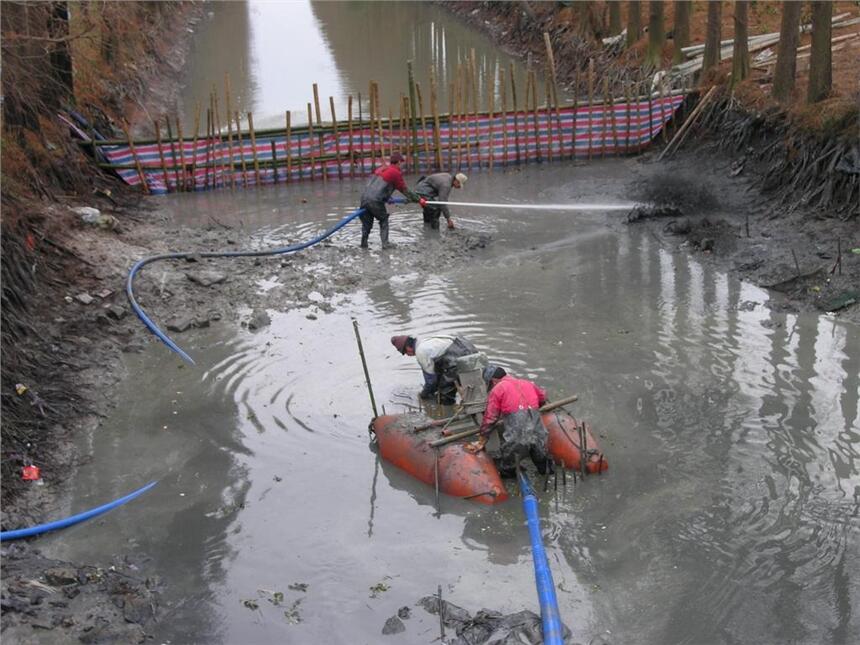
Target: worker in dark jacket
385, 180
437, 188
516, 404
437, 356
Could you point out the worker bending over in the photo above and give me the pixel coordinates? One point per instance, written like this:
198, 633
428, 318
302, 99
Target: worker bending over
437, 356
516, 404
437, 188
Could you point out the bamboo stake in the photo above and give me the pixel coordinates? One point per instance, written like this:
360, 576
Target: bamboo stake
379, 123
503, 91
372, 132
349, 127
220, 144
611, 102
174, 162
474, 68
194, 147
533, 79
229, 110
550, 57
681, 133
548, 113
208, 145
242, 148
337, 136
320, 144
424, 137
390, 131
491, 100
603, 102
317, 105
436, 134
299, 158
650, 115
274, 162
288, 145
590, 103
526, 108
161, 156
575, 114
361, 131
516, 112
364, 366
451, 131
629, 97
254, 148
181, 151
664, 123
144, 186
311, 141
412, 120
463, 109
400, 124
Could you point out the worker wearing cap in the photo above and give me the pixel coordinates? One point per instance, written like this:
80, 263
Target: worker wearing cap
516, 404
437, 356
385, 180
437, 188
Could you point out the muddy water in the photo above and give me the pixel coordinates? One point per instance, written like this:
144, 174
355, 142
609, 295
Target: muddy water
274, 52
729, 514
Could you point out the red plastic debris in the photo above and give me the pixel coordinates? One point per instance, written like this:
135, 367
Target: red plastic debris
31, 473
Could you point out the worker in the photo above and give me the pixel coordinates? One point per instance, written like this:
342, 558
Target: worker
385, 180
516, 404
437, 356
437, 188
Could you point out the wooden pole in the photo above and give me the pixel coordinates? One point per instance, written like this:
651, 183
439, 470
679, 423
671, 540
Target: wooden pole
664, 122
629, 97
349, 127
550, 57
533, 78
611, 102
161, 156
241, 148
503, 91
412, 121
337, 136
590, 103
194, 147
575, 119
437, 142
474, 77
208, 145
650, 113
317, 105
390, 131
603, 103
361, 131
364, 367
274, 162
372, 129
288, 145
425, 139
491, 100
311, 141
379, 123
144, 186
462, 120
174, 161
229, 108
451, 130
181, 152
548, 113
254, 148
516, 112
220, 138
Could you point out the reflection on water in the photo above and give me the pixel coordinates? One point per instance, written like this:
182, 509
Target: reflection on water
731, 512
274, 52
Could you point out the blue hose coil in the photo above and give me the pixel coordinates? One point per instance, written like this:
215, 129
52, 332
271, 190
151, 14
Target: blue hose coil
17, 534
553, 632
292, 248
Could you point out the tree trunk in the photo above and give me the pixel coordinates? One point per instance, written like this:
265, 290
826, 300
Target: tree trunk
634, 22
681, 29
741, 50
820, 60
713, 35
61, 56
656, 36
614, 18
786, 57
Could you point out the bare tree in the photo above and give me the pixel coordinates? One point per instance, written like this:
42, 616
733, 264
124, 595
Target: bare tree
634, 22
786, 56
682, 28
820, 60
741, 50
713, 35
614, 18
656, 34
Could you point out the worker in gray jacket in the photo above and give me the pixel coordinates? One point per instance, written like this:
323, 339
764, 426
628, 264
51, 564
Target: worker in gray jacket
437, 188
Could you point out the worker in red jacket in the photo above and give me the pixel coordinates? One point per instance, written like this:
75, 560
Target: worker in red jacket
385, 180
516, 404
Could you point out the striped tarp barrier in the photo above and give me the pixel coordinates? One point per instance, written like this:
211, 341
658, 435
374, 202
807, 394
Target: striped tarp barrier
466, 142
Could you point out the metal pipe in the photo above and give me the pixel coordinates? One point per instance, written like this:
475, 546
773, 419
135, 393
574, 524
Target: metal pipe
364, 365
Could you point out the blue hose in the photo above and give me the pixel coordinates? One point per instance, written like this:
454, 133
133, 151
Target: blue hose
553, 633
292, 248
74, 519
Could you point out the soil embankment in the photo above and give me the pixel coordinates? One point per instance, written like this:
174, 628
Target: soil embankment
798, 164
